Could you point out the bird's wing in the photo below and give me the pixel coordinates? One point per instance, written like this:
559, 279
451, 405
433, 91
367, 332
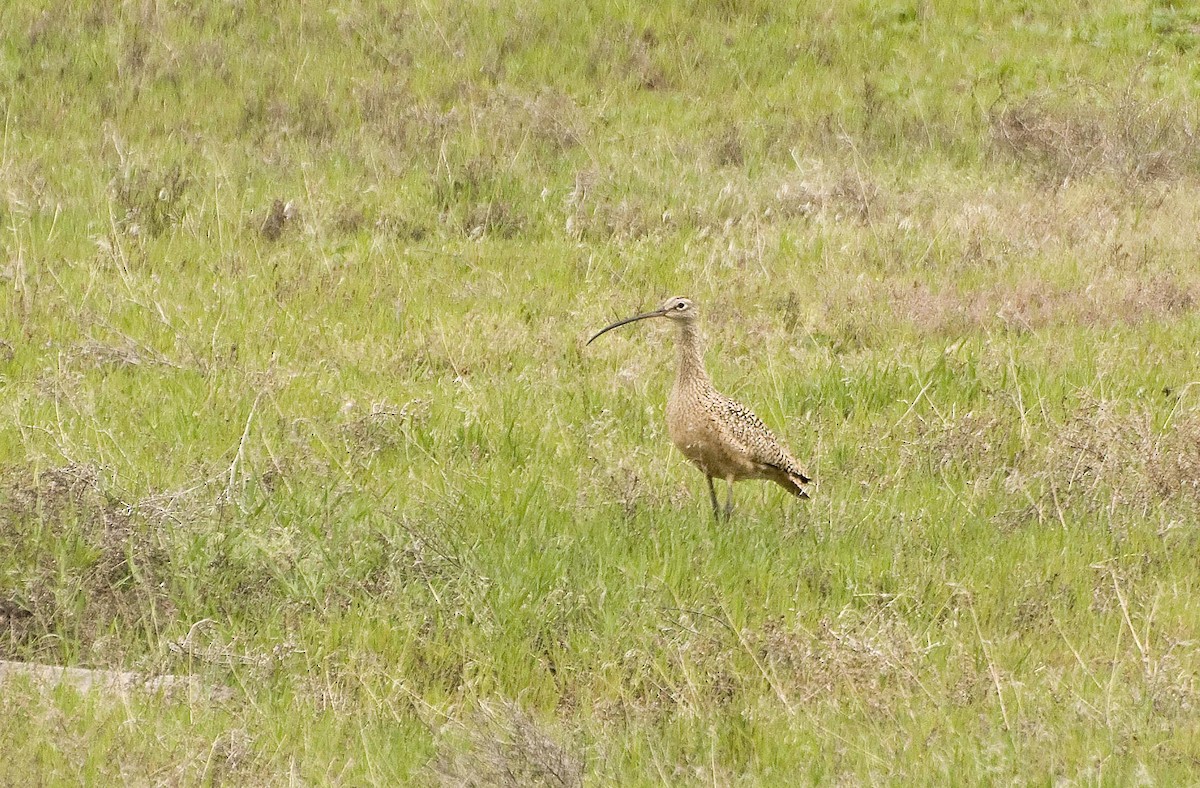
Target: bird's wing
757, 440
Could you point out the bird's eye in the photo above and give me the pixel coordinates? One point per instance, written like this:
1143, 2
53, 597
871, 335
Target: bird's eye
681, 306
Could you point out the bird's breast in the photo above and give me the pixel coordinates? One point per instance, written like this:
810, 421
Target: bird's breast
694, 431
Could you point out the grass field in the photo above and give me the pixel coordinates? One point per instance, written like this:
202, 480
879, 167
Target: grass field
294, 396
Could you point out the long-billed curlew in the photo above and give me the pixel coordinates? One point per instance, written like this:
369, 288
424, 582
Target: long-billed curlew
723, 438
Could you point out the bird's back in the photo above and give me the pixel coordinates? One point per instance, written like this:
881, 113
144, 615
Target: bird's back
759, 444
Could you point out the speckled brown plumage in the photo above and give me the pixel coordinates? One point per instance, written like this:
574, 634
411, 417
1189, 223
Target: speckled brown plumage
721, 437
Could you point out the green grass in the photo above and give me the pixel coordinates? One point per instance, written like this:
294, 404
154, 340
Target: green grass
358, 466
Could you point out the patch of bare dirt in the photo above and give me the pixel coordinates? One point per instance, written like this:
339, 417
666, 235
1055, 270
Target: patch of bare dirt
114, 682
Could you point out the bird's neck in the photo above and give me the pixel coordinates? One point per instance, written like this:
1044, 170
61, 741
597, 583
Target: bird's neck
691, 357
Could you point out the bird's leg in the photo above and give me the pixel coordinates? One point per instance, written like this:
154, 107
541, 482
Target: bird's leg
712, 493
729, 500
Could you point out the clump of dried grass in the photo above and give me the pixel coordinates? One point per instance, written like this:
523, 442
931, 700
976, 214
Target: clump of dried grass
150, 200
123, 579
1027, 305
278, 217
470, 200
1098, 133
502, 745
596, 212
1107, 455
868, 650
974, 441
848, 193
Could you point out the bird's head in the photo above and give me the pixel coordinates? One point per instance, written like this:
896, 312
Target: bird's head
679, 308
676, 308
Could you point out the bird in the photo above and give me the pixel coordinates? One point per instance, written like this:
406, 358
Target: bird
720, 436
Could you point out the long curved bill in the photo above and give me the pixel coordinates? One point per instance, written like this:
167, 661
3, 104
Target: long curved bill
619, 323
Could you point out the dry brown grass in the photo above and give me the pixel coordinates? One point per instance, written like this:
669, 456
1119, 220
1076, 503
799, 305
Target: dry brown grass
858, 654
1109, 456
851, 311
1091, 131
120, 580
598, 210
1033, 304
468, 198
277, 218
501, 745
630, 55
152, 199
